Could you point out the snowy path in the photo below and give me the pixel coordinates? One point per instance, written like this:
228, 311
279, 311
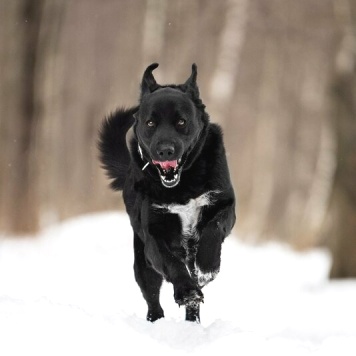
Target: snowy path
60, 295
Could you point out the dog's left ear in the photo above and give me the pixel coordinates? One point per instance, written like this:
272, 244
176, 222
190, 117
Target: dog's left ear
191, 82
191, 86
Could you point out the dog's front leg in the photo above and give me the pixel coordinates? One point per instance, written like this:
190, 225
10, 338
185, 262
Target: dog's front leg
167, 262
208, 257
186, 290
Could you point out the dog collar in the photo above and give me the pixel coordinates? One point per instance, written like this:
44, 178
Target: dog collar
140, 151
141, 155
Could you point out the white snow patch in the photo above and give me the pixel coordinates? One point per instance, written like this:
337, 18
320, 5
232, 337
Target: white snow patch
71, 291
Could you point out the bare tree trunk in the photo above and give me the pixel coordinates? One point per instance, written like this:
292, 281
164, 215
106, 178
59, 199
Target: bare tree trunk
340, 225
18, 190
223, 79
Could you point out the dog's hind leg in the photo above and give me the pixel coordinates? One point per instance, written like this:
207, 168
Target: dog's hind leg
149, 281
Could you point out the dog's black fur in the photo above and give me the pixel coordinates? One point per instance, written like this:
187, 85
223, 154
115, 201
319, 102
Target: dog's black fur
176, 188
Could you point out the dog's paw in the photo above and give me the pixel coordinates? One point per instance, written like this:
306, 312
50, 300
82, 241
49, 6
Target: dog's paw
154, 314
204, 277
188, 296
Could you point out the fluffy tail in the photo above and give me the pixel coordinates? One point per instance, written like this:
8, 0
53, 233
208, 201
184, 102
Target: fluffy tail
114, 154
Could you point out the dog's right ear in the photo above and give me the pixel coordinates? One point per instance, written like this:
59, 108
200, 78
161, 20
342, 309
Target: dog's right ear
149, 83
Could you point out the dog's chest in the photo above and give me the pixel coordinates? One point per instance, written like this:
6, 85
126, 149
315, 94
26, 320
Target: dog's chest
189, 213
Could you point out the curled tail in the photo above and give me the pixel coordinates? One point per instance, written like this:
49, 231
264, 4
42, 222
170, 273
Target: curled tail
114, 154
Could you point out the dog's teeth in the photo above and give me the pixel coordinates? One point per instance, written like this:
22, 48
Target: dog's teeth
170, 180
180, 160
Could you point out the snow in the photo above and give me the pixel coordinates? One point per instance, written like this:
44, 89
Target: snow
71, 291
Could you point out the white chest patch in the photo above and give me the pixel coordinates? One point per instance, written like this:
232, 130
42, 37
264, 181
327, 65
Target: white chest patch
189, 213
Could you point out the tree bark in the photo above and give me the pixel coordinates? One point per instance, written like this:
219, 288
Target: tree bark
19, 201
339, 229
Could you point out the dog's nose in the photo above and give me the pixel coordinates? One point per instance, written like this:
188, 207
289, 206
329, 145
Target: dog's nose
165, 151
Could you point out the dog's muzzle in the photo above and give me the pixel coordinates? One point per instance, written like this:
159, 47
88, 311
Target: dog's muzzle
169, 172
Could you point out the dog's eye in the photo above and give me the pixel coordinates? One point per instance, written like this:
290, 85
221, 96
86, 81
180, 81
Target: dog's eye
181, 122
150, 123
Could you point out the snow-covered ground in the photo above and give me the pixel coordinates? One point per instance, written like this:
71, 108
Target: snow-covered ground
71, 291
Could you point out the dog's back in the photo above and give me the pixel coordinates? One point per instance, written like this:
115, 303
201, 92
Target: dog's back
114, 153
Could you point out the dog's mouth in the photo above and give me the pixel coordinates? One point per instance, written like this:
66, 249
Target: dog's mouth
169, 172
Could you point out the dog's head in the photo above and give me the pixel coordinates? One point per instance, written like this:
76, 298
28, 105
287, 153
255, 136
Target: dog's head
169, 124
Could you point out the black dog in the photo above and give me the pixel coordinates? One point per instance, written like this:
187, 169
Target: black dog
176, 189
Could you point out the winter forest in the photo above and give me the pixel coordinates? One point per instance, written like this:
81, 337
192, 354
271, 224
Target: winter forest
279, 76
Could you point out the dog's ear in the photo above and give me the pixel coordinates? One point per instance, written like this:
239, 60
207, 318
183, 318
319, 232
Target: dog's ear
192, 80
149, 83
191, 86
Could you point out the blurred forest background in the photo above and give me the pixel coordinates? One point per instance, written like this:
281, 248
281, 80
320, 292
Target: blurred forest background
278, 75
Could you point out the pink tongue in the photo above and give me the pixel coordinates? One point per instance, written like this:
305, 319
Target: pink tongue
167, 164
